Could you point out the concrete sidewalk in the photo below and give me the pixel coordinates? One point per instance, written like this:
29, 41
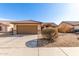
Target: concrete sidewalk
59, 51
39, 51
50, 52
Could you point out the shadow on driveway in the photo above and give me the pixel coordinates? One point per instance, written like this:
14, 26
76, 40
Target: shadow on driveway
37, 43
13, 35
9, 35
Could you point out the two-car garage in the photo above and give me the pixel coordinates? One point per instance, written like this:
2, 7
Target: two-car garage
27, 27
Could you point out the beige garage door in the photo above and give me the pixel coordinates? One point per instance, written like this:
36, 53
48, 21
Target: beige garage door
27, 29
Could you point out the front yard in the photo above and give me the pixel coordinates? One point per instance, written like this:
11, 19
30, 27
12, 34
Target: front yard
33, 45
32, 41
63, 40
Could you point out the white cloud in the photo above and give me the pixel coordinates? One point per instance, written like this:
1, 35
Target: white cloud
4, 19
72, 14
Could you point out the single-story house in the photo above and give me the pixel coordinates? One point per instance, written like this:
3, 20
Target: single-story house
26, 27
68, 26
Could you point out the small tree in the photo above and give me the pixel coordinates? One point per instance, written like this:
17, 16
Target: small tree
49, 34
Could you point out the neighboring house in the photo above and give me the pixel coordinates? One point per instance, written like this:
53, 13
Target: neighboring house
4, 27
26, 27
68, 26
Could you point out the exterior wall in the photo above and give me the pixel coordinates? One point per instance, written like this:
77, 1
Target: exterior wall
10, 27
76, 27
39, 28
4, 28
64, 27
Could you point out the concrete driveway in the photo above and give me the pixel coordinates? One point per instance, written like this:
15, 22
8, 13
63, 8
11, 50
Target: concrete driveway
16, 45
26, 45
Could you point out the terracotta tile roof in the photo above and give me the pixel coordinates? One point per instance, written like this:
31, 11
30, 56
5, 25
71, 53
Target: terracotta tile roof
74, 23
25, 21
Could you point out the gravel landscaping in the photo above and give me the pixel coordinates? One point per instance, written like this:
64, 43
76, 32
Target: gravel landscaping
64, 40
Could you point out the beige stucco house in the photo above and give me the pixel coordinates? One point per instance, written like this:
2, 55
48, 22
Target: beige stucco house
68, 26
26, 27
20, 27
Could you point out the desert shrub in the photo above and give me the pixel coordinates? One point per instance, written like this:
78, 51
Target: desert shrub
49, 34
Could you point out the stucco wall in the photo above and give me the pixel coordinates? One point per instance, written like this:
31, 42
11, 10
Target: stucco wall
64, 27
76, 27
10, 27
4, 28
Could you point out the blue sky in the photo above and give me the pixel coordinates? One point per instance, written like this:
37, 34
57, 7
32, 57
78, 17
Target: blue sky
45, 12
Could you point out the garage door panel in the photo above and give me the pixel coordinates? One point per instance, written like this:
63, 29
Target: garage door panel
27, 29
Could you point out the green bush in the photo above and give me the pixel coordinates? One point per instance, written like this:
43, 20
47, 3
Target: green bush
49, 33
